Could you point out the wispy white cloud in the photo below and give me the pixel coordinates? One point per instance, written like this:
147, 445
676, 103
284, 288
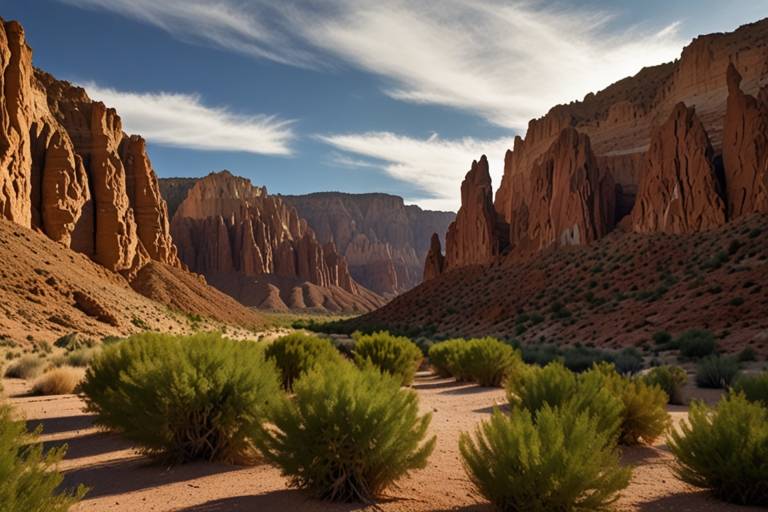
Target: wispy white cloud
181, 120
434, 166
507, 61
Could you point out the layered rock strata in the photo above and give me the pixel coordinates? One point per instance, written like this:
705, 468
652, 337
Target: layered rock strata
68, 170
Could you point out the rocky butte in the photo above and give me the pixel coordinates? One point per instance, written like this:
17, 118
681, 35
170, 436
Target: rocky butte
678, 148
254, 247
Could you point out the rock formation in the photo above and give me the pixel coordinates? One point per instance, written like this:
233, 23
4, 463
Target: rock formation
678, 191
472, 237
232, 232
433, 265
384, 241
562, 198
68, 170
745, 149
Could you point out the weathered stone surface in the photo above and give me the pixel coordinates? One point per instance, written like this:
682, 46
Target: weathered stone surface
433, 266
228, 227
678, 191
384, 241
472, 238
567, 200
745, 149
15, 121
150, 211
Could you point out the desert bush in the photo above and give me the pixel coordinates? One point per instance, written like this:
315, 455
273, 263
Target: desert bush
754, 387
661, 337
348, 435
82, 357
487, 361
716, 372
669, 378
391, 354
555, 459
541, 356
554, 385
297, 353
27, 367
182, 398
644, 418
58, 381
629, 361
448, 358
74, 341
28, 477
580, 358
696, 343
725, 450
748, 354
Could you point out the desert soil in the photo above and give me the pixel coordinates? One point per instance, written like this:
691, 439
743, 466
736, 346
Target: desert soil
121, 480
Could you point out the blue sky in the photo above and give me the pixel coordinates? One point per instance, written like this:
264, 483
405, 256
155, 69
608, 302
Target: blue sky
352, 95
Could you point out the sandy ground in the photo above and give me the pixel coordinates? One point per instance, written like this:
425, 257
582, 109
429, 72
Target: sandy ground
121, 481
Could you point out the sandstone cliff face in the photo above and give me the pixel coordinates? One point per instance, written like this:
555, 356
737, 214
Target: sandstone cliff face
678, 191
472, 237
435, 262
63, 171
232, 232
745, 149
384, 241
562, 199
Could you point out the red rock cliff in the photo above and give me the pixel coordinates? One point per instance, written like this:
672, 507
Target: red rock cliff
678, 191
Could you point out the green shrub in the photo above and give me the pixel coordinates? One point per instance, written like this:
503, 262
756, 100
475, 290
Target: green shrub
74, 341
297, 353
182, 398
560, 461
725, 450
447, 358
487, 361
82, 357
390, 354
669, 378
28, 367
28, 477
716, 372
644, 418
696, 343
754, 387
629, 361
748, 354
554, 385
348, 435
661, 337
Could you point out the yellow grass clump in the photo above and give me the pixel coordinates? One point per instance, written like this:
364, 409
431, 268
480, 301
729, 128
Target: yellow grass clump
58, 381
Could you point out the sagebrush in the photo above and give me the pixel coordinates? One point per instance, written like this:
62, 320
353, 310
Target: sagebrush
555, 459
754, 387
183, 398
348, 434
28, 475
297, 353
395, 355
716, 372
725, 450
672, 379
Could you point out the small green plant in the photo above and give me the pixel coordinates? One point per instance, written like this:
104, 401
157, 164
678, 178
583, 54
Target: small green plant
554, 460
696, 343
661, 337
448, 359
74, 341
487, 361
754, 387
297, 353
725, 450
644, 418
669, 378
348, 435
746, 355
716, 372
28, 477
392, 354
182, 398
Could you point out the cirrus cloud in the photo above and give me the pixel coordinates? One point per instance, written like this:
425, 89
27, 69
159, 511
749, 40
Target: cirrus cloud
181, 120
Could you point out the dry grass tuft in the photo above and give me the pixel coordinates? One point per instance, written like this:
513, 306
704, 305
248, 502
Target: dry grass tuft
58, 381
28, 368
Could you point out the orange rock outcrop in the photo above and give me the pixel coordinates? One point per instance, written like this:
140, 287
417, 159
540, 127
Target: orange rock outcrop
68, 170
745, 148
433, 265
678, 191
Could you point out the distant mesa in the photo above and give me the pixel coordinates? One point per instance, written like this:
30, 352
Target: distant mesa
254, 247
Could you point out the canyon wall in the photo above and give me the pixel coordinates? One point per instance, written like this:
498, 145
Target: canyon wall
68, 170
